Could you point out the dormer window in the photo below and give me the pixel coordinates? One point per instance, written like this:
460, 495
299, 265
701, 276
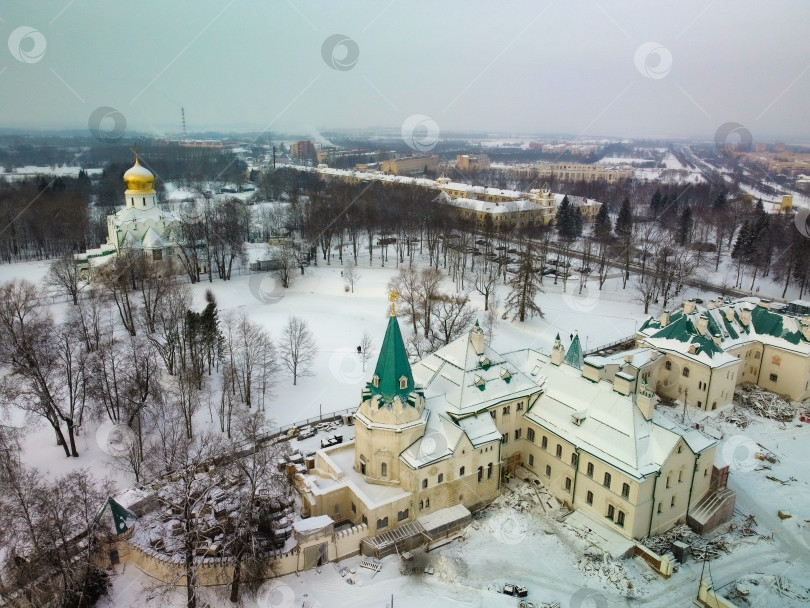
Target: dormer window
505, 375
485, 363
376, 381
403, 383
479, 382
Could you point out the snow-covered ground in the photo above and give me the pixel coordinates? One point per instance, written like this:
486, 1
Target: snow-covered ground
543, 555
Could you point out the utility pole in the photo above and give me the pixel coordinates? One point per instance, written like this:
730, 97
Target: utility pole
683, 416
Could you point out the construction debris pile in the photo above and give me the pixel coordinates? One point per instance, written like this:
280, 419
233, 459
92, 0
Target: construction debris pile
737, 417
764, 403
608, 570
767, 589
704, 548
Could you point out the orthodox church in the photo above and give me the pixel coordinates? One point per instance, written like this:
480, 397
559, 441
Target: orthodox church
436, 441
141, 225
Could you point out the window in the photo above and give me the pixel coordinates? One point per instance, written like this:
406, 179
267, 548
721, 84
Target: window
589, 471
776, 360
403, 383
402, 515
574, 459
680, 476
559, 451
520, 406
700, 404
531, 460
668, 484
480, 474
506, 410
530, 435
756, 355
354, 508
625, 490
517, 433
705, 472
668, 365
620, 518
441, 478
685, 372
544, 443
427, 503
365, 520
461, 472
672, 503
548, 470
774, 377
421, 504
680, 449
567, 484
660, 507
424, 484
505, 438
489, 471
382, 523
610, 512
589, 497
383, 469
493, 413
607, 480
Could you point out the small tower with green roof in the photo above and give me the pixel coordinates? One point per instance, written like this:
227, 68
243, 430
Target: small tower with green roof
391, 415
574, 355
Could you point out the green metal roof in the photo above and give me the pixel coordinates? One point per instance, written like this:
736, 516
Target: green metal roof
767, 322
393, 364
574, 355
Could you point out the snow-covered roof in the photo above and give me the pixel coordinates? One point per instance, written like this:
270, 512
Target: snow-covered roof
438, 442
152, 240
609, 424
706, 334
470, 382
480, 429
492, 207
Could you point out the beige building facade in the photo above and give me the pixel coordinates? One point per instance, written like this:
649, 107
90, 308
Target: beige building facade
446, 432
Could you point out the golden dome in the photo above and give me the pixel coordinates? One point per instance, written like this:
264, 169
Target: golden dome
139, 178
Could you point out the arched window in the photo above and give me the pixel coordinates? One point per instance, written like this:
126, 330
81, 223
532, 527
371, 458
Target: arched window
461, 472
685, 372
384, 469
668, 365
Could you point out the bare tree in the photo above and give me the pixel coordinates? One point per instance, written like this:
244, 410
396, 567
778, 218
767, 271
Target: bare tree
367, 349
485, 281
47, 365
406, 284
350, 275
452, 315
298, 348
263, 493
63, 276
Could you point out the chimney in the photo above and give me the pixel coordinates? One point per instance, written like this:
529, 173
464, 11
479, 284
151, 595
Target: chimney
745, 317
623, 383
766, 304
689, 307
645, 401
805, 327
664, 318
592, 370
653, 355
703, 324
729, 313
477, 339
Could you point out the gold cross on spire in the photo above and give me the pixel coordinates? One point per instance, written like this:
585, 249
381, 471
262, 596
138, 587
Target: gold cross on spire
393, 297
135, 150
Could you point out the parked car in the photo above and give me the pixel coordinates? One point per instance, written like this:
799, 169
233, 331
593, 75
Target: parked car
512, 250
583, 269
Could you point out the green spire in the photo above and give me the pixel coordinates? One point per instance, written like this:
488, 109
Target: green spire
121, 515
393, 365
574, 355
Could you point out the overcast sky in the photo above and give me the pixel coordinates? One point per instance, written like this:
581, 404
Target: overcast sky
636, 69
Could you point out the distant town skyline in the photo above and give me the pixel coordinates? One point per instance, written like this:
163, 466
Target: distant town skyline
591, 69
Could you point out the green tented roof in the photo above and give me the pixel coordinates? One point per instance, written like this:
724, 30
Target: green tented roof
574, 355
767, 322
393, 364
